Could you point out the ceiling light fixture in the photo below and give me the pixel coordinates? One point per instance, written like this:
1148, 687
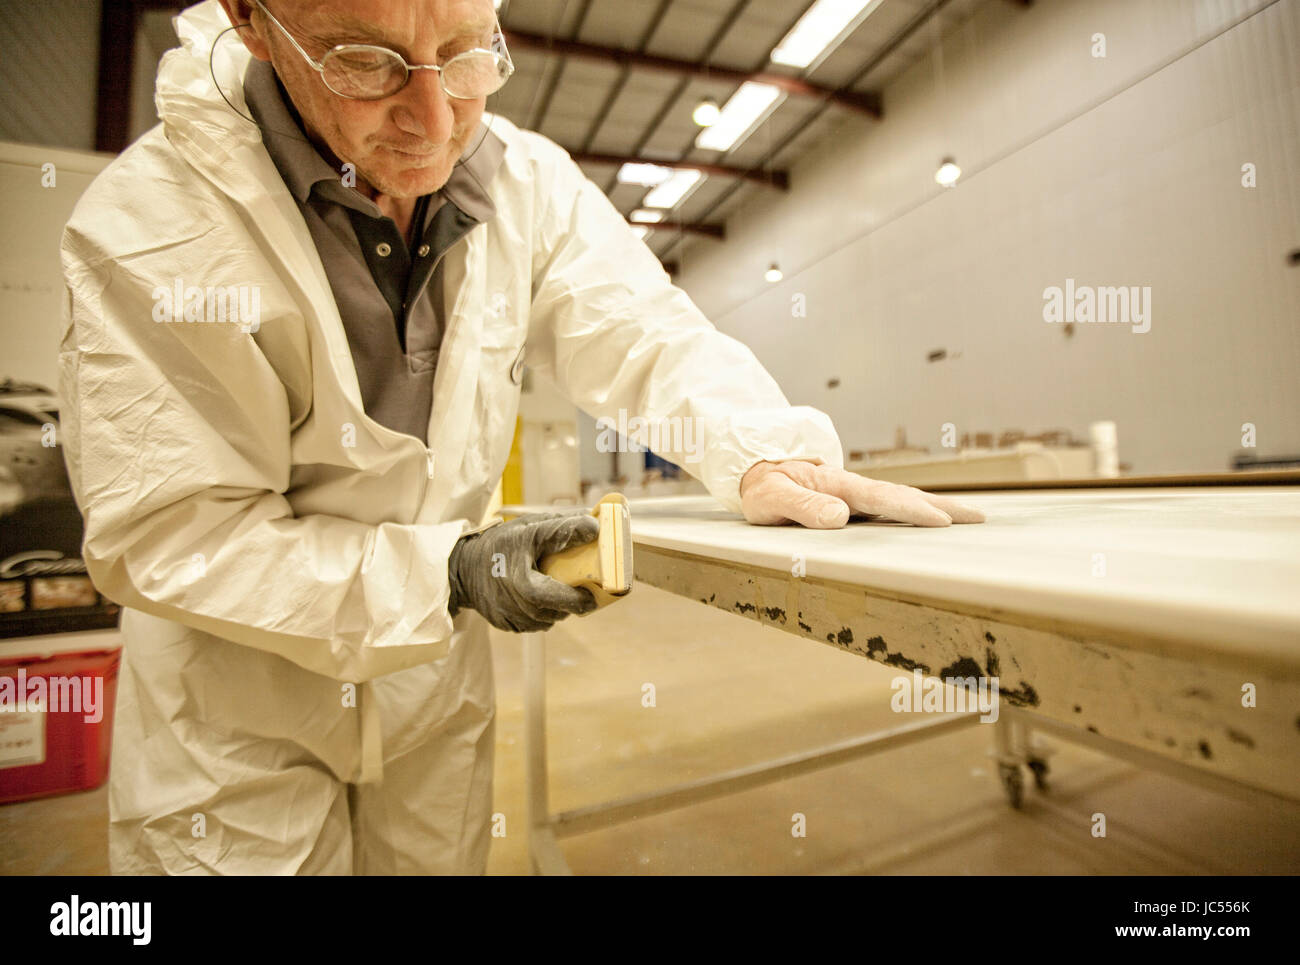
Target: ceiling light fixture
773, 273
646, 175
744, 110
706, 112
948, 172
673, 190
820, 30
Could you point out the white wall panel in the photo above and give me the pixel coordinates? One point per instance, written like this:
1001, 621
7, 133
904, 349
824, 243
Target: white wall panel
1117, 171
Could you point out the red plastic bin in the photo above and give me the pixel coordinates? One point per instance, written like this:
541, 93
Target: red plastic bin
59, 750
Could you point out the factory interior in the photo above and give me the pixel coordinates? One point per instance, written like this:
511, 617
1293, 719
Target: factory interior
896, 401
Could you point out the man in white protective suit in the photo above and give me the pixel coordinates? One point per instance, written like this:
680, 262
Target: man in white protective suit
297, 315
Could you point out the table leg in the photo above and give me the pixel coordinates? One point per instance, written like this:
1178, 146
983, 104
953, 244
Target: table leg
1008, 761
544, 852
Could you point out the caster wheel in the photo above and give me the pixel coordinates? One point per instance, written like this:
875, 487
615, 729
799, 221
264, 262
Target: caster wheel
1013, 782
1039, 769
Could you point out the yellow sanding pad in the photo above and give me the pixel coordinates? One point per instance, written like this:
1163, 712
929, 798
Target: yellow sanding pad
603, 566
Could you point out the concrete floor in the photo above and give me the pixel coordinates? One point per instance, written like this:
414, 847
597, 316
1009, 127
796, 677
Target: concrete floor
729, 693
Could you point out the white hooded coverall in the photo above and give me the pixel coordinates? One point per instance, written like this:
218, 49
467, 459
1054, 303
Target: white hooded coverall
294, 697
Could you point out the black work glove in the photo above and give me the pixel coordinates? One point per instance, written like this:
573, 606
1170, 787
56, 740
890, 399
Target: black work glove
495, 571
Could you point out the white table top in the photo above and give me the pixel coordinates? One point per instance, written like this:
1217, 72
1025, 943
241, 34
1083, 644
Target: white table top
1215, 567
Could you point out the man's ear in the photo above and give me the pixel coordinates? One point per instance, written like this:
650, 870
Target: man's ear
240, 13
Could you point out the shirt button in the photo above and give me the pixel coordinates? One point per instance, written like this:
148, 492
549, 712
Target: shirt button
422, 250
383, 249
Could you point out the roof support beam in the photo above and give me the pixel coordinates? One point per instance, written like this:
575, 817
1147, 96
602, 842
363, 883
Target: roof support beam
716, 231
771, 179
864, 103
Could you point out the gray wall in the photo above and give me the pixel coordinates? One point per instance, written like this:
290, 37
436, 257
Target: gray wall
1117, 171
49, 72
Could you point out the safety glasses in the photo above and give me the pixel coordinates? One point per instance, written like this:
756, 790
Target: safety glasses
366, 72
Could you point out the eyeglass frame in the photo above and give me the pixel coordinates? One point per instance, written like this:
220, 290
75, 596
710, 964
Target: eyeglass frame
319, 67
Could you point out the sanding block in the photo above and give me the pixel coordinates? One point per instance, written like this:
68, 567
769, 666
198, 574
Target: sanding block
603, 566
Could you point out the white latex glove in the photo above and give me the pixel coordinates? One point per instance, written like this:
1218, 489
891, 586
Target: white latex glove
821, 497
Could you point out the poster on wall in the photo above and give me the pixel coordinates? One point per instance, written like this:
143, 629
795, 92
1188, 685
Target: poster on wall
44, 587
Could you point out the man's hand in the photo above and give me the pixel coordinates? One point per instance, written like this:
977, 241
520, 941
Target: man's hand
495, 571
821, 497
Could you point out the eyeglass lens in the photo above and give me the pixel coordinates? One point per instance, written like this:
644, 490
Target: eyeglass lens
370, 73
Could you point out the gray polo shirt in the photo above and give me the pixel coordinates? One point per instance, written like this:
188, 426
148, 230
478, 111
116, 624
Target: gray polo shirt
391, 298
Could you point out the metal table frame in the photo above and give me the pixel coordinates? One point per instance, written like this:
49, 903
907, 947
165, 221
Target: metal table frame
1153, 696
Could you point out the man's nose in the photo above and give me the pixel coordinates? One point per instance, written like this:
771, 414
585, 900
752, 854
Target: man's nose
424, 109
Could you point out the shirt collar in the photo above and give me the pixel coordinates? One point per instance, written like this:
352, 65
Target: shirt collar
303, 168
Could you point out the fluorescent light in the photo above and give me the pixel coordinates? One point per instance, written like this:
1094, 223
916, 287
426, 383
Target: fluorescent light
820, 30
706, 112
948, 173
647, 175
773, 273
645, 216
670, 193
744, 110
640, 231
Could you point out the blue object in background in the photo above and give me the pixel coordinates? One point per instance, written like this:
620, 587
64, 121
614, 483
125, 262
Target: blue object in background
669, 470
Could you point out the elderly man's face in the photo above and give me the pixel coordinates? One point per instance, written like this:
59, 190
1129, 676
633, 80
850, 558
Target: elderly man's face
405, 145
